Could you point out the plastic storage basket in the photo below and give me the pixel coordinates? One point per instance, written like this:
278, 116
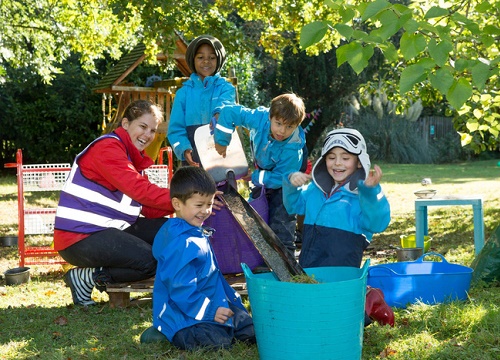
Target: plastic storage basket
430, 282
309, 321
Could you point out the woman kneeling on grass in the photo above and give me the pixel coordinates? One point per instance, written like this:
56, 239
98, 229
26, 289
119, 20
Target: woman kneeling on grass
98, 227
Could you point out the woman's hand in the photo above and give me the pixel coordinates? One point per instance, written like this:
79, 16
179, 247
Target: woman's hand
188, 155
374, 176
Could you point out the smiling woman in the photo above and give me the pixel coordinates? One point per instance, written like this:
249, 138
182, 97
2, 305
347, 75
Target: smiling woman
141, 120
98, 227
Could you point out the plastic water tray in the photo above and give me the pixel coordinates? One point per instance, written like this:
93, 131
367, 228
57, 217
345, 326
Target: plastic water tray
429, 282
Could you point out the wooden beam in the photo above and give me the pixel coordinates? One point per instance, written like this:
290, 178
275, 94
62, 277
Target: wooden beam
129, 70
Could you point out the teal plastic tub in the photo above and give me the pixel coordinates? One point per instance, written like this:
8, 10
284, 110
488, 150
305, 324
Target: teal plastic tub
309, 321
429, 282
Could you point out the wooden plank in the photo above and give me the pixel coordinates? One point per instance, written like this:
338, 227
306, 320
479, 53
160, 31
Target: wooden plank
119, 293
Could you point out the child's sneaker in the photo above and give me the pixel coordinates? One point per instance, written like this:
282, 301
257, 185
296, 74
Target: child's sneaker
151, 335
81, 284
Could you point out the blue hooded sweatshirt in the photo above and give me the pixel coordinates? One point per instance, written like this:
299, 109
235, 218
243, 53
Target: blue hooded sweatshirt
339, 223
273, 159
189, 287
192, 108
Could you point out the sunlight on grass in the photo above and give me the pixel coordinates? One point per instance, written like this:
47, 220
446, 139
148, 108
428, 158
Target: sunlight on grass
437, 331
12, 349
463, 330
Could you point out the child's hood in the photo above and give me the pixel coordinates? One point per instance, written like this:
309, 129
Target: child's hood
171, 231
220, 51
353, 142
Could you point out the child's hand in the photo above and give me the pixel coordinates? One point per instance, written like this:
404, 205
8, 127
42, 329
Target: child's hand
299, 178
221, 150
223, 314
188, 155
218, 204
248, 176
374, 176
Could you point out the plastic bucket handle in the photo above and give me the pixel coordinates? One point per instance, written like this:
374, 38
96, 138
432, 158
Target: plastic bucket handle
421, 258
380, 270
246, 270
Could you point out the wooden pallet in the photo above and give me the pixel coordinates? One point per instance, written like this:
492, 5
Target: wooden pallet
119, 294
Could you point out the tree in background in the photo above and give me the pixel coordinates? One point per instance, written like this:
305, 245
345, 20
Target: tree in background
324, 86
451, 46
41, 34
51, 123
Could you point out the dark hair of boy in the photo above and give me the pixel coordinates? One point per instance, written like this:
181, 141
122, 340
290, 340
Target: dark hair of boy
190, 180
288, 108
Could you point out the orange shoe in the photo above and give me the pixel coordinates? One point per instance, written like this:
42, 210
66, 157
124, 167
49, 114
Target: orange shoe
376, 307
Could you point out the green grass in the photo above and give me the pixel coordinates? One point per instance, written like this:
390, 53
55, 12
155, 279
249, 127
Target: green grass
38, 320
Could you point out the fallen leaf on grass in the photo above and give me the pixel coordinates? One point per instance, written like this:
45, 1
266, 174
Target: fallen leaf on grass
61, 320
56, 335
387, 352
404, 321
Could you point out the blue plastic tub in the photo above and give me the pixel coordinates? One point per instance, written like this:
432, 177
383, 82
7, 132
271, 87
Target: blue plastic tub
430, 282
309, 321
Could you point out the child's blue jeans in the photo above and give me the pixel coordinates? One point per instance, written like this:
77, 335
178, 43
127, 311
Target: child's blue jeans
282, 223
214, 336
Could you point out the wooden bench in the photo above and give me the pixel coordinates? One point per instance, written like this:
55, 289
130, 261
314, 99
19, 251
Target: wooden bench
119, 294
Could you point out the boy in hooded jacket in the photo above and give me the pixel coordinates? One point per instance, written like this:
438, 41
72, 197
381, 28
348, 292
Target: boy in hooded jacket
193, 305
194, 102
344, 205
278, 145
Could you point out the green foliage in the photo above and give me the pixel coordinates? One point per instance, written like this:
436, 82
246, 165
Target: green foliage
392, 139
43, 33
448, 149
397, 138
432, 50
50, 123
453, 46
321, 85
243, 69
